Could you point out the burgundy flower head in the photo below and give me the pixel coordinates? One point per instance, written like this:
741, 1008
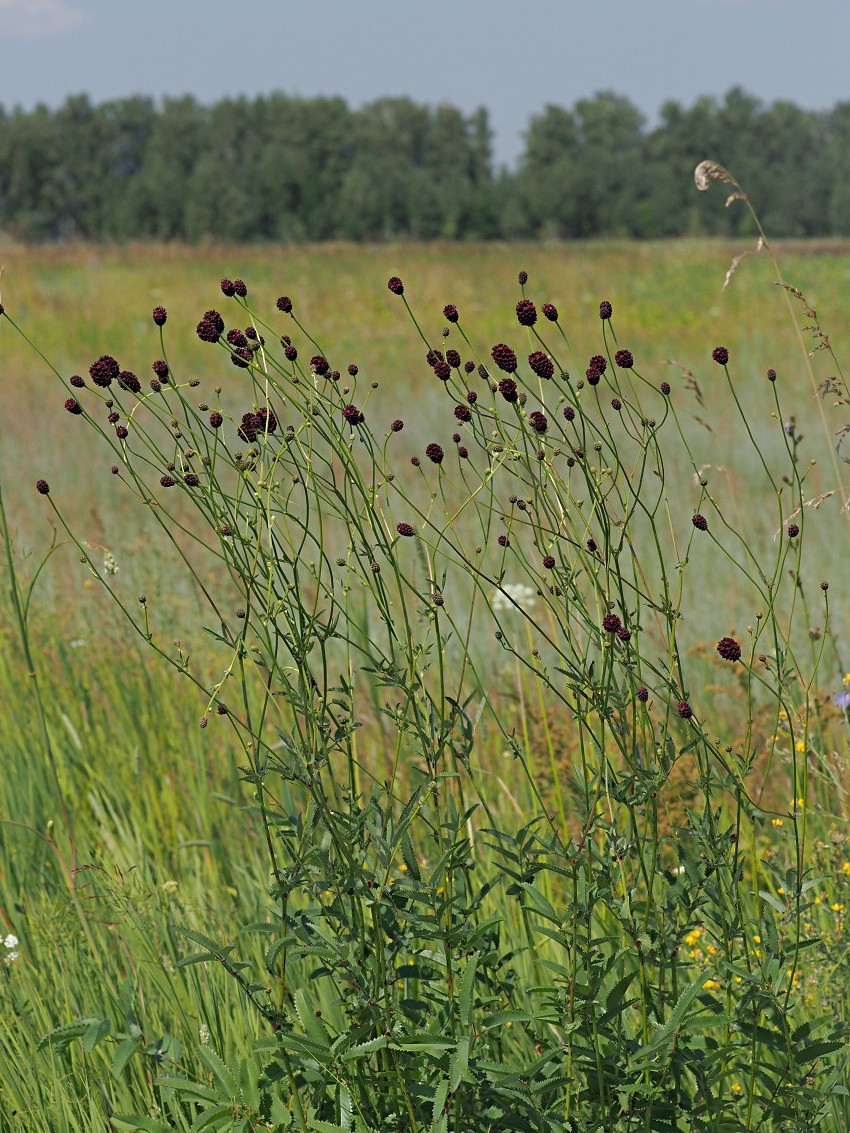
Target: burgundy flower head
624, 359
550, 311
508, 390
284, 304
720, 355
450, 312
104, 370
541, 364
729, 649
526, 313
159, 316
504, 357
605, 309
395, 285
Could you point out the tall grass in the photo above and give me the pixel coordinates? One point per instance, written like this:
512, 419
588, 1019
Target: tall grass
515, 797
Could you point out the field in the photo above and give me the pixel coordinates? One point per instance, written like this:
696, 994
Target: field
156, 830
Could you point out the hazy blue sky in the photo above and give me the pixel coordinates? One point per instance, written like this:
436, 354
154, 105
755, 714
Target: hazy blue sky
509, 56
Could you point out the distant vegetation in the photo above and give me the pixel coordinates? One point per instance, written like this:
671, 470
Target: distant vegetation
288, 169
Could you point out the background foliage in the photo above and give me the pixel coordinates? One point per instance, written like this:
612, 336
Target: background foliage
293, 169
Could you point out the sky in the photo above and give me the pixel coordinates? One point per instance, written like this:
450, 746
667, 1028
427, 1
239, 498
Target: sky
507, 56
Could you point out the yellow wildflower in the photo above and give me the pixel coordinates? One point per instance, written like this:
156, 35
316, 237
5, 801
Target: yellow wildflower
710, 985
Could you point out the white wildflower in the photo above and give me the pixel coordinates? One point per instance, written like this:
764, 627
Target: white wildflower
514, 594
11, 941
204, 1035
109, 563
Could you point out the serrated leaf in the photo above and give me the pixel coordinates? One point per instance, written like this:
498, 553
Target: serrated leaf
459, 1063
222, 1073
467, 987
437, 1115
313, 1026
123, 1053
196, 958
189, 1088
364, 1048
95, 1033
249, 1081
214, 1117
61, 1036
129, 1121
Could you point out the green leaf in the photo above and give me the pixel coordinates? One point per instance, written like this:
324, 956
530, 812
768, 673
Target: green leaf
313, 1026
147, 1124
437, 1115
459, 1063
467, 987
188, 1088
123, 1053
222, 1073
60, 1037
365, 1048
249, 1080
95, 1033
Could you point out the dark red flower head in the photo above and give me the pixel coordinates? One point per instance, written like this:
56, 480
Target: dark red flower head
450, 312
526, 313
160, 368
434, 453
550, 311
508, 389
240, 288
569, 413
463, 413
605, 309
541, 364
720, 355
549, 561
443, 370
76, 381
159, 316
642, 694
729, 649
397, 425
684, 709
405, 529
504, 357
352, 415
793, 530
538, 421
104, 370
453, 359
523, 278
395, 285
227, 287
665, 388
700, 522
611, 623
129, 381
284, 304
624, 359
216, 420
42, 487
266, 420
73, 406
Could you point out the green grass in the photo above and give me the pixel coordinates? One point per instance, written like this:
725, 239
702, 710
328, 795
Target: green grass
158, 832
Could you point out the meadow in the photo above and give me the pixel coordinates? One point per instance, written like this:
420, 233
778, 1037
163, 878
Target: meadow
137, 819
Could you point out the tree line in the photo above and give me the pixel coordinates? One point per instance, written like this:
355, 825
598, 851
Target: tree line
289, 169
